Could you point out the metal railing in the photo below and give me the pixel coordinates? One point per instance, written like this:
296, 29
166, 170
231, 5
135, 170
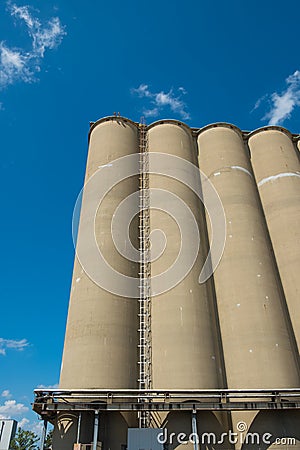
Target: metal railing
147, 400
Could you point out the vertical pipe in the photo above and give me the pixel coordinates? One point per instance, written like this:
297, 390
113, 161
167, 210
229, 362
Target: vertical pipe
78, 428
96, 426
195, 430
43, 437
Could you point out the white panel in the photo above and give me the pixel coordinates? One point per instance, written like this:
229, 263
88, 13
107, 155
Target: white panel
144, 439
7, 432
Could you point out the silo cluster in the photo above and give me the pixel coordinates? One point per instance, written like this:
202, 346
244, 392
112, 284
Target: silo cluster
240, 329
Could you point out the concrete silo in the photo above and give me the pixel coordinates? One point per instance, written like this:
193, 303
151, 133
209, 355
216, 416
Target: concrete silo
276, 166
181, 317
258, 349
184, 343
101, 344
170, 340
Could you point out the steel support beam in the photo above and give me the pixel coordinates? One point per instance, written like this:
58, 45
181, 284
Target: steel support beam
96, 426
43, 437
195, 431
166, 406
78, 428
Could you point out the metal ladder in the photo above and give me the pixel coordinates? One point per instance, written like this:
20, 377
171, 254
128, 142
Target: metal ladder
144, 330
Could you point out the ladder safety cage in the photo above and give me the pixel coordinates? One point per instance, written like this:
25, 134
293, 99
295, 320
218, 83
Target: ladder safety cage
144, 346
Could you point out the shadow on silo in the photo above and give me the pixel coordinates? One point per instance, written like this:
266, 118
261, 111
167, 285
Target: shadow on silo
210, 431
269, 426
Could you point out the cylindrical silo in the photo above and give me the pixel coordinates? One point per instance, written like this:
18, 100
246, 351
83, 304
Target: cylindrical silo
101, 342
276, 166
239, 329
184, 349
101, 336
258, 351
182, 339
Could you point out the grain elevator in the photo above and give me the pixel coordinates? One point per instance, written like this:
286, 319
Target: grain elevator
156, 344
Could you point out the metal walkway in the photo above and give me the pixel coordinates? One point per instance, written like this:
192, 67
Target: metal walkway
48, 402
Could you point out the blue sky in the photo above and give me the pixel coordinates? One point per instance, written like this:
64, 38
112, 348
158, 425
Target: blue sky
65, 63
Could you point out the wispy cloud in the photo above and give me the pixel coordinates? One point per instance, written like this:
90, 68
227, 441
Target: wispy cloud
44, 35
283, 103
19, 64
50, 386
36, 427
12, 344
160, 101
258, 103
6, 393
23, 422
13, 66
142, 91
11, 408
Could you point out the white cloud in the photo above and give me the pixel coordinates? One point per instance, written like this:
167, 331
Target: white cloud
13, 66
23, 422
161, 100
23, 13
258, 103
11, 409
284, 103
151, 112
36, 427
13, 60
50, 386
17, 64
6, 393
142, 91
48, 35
12, 344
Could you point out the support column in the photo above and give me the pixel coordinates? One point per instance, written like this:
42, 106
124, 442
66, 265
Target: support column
194, 430
96, 426
78, 428
44, 431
